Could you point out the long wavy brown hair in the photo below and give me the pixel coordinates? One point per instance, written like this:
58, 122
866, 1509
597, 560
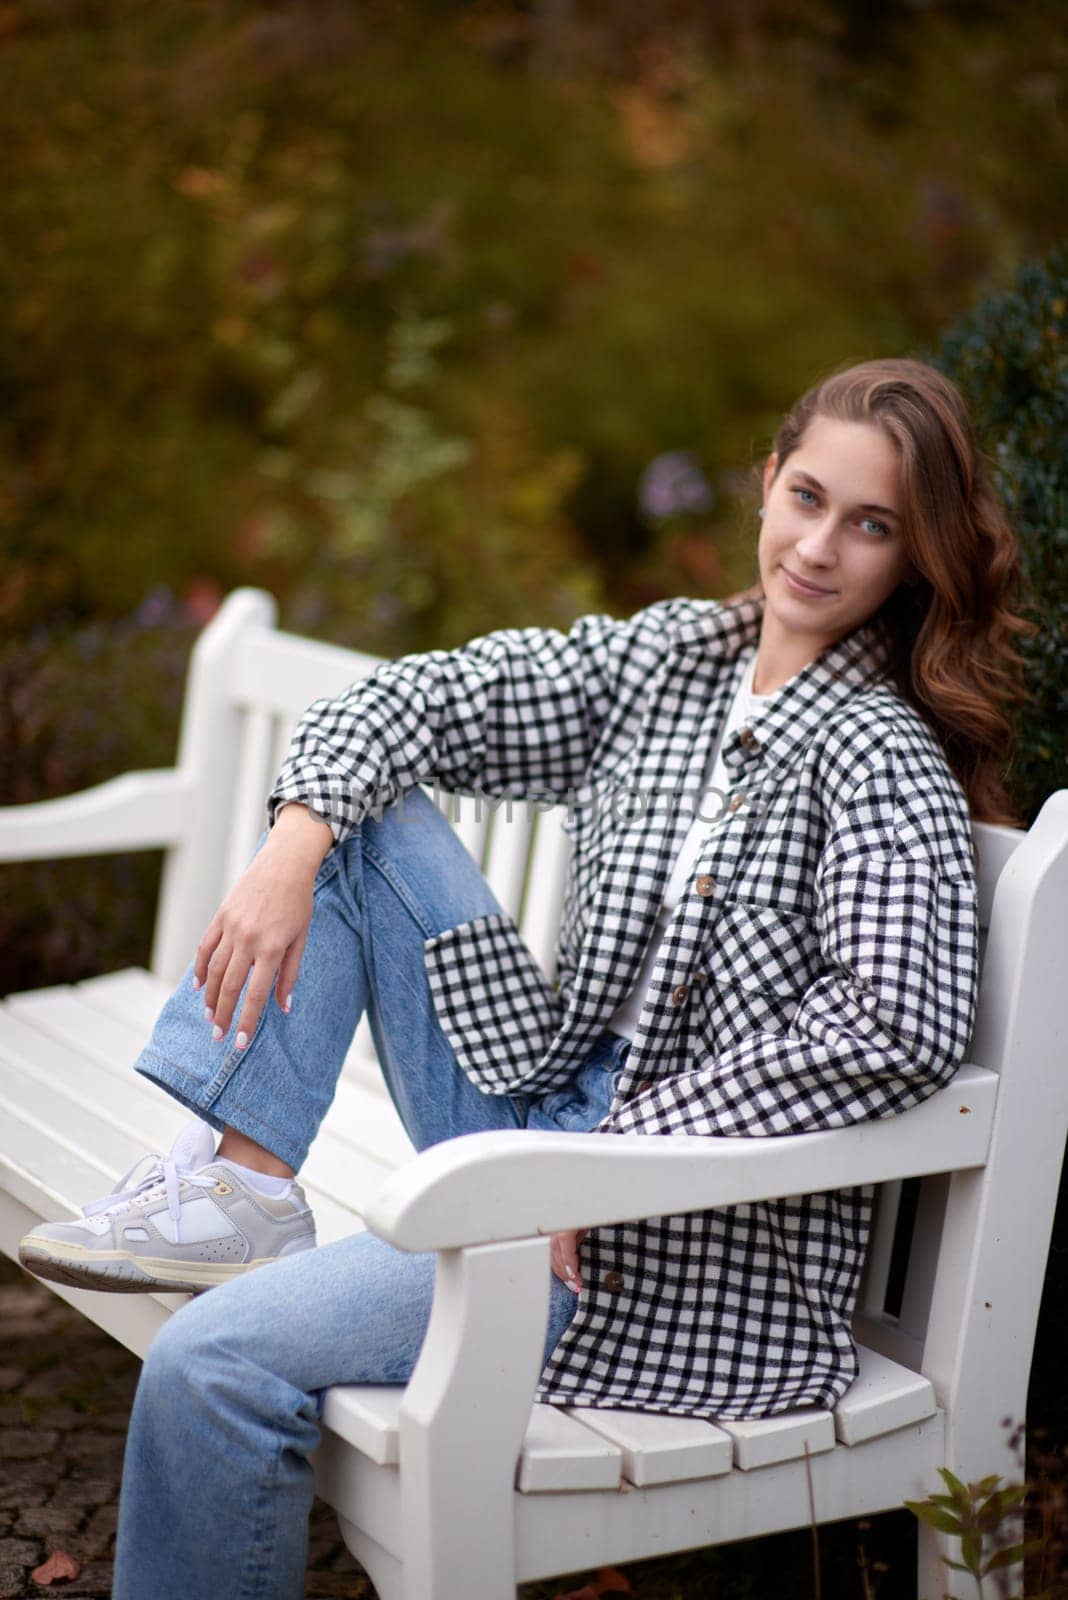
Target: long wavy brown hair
949, 632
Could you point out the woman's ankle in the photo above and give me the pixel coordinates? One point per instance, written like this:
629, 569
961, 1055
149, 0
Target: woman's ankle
238, 1147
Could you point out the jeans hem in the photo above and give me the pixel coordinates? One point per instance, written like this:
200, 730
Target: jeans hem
168, 1075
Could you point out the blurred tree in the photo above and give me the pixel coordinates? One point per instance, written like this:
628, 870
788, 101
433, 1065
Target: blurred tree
646, 235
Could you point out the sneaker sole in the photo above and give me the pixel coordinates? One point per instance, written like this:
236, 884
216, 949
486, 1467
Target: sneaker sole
117, 1272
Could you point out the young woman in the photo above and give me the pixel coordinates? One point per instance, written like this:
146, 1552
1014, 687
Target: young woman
800, 957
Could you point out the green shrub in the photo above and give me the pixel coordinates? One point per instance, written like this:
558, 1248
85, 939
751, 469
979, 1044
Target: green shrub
1010, 357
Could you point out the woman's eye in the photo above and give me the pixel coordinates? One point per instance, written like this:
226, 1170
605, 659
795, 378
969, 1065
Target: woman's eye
813, 499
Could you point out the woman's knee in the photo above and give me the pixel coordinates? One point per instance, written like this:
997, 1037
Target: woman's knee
204, 1371
182, 1351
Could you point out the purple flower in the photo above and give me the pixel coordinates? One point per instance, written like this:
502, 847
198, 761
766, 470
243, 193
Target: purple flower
673, 485
154, 607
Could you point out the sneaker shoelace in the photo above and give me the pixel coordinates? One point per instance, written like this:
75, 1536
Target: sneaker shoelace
163, 1173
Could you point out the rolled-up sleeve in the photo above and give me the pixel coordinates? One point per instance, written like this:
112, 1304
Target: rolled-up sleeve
888, 1017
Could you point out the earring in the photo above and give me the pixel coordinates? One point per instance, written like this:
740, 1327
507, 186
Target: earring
760, 513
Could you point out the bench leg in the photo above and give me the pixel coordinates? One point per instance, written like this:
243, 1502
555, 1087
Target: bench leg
932, 1574
383, 1569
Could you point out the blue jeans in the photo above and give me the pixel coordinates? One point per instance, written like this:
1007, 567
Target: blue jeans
217, 1486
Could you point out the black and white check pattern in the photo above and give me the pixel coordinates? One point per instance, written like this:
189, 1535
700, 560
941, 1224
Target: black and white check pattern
822, 971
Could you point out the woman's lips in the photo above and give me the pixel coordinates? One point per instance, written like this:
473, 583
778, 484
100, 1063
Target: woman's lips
799, 586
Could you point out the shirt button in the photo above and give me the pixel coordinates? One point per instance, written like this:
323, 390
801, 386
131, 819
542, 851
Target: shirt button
679, 995
705, 885
646, 1083
613, 1282
736, 801
699, 978
748, 740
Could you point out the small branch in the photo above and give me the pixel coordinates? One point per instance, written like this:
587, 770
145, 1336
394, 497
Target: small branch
817, 1586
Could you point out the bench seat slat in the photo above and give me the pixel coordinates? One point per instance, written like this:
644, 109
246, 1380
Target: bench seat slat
142, 1108
768, 1440
584, 1448
884, 1396
114, 1147
61, 1013
368, 1416
44, 1173
661, 1449
559, 1453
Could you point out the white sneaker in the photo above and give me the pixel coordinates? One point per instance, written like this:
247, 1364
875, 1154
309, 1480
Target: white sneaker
188, 1222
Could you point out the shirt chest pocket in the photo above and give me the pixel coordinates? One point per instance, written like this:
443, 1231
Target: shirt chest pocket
758, 948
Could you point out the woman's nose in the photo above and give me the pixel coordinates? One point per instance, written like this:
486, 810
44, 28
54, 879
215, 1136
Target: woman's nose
818, 542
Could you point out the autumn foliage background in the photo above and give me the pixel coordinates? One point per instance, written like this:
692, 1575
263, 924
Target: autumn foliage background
433, 318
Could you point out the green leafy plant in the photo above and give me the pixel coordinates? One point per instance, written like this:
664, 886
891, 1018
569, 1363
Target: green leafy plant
985, 1517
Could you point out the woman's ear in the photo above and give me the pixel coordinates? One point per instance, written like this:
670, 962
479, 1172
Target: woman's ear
769, 472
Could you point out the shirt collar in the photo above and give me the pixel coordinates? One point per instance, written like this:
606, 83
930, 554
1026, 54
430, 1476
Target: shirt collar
775, 732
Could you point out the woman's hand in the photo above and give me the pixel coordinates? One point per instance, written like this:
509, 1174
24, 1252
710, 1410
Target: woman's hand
262, 926
563, 1254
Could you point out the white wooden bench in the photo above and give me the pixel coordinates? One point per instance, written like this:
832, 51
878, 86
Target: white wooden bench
488, 1491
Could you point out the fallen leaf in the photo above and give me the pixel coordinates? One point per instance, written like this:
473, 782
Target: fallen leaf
58, 1566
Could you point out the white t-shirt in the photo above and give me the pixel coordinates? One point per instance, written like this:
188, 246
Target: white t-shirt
709, 814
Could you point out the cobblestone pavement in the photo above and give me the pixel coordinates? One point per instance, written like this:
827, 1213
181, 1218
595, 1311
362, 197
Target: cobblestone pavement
65, 1394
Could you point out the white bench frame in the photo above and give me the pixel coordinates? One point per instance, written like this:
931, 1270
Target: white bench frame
455, 1485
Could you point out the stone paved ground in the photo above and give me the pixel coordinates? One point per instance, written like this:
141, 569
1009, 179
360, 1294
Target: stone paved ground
65, 1393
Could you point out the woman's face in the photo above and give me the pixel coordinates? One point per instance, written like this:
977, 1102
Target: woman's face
831, 546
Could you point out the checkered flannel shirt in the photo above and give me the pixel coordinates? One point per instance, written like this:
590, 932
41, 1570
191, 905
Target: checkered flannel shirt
822, 970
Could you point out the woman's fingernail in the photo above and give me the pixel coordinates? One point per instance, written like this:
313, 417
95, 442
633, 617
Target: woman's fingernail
242, 1040
576, 1288
289, 1003
570, 1271
209, 1015
216, 1033
196, 983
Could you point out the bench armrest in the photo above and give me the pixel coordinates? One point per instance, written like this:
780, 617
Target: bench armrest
485, 1188
138, 811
